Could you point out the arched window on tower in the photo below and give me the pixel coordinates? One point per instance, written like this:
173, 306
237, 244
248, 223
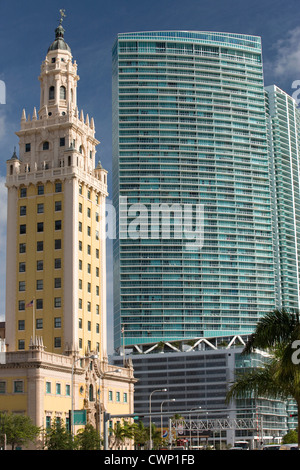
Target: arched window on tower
45, 145
62, 92
51, 93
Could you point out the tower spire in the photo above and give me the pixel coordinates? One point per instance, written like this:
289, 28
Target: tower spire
62, 15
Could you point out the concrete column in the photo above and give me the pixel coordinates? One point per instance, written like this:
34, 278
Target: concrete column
35, 394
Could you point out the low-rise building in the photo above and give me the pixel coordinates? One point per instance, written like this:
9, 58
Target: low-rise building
191, 380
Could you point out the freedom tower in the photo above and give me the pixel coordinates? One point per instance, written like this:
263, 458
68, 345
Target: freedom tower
190, 132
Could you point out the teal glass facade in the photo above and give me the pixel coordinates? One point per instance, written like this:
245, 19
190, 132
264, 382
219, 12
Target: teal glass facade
284, 125
190, 128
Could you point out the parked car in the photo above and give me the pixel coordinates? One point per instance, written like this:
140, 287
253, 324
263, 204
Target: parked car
289, 447
271, 447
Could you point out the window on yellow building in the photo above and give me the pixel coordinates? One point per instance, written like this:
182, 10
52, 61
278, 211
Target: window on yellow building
22, 267
58, 187
23, 210
39, 246
23, 192
40, 208
57, 206
22, 248
18, 386
40, 265
57, 244
22, 286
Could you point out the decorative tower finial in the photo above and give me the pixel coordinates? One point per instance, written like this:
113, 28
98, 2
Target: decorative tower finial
62, 15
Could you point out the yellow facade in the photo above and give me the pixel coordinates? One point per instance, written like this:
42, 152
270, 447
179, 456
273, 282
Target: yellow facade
39, 384
40, 266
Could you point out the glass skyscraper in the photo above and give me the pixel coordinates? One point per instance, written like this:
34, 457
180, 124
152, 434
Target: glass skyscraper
189, 131
284, 131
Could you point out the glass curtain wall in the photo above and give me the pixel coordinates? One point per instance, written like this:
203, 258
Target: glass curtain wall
189, 129
284, 125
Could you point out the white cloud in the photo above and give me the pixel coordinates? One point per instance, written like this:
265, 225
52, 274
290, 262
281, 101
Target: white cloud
286, 65
2, 127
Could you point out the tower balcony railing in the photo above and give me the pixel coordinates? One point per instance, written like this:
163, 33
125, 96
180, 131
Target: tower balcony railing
54, 173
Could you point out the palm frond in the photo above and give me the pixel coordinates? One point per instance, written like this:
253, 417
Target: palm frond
261, 381
276, 327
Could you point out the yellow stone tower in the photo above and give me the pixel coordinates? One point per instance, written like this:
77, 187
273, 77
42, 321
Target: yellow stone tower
55, 358
56, 281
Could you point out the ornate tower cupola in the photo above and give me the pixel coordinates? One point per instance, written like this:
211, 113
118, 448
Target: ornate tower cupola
58, 135
58, 78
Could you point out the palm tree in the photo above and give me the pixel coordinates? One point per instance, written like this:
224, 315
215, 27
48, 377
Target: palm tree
121, 433
141, 435
276, 334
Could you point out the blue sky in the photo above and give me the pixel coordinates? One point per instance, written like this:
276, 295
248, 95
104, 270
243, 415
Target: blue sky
27, 29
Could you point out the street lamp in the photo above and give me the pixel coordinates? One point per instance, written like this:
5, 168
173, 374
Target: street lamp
161, 415
193, 409
92, 356
150, 430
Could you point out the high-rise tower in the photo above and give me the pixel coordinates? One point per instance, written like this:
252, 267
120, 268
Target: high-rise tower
189, 128
56, 281
284, 131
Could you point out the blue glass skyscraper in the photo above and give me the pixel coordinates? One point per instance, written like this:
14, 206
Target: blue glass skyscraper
190, 129
284, 132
